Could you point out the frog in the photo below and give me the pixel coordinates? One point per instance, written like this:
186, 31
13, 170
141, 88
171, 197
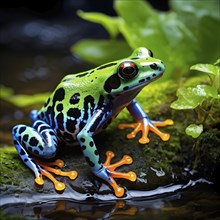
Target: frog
82, 105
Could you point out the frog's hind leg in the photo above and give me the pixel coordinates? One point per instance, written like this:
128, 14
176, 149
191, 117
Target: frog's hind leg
28, 141
25, 156
39, 141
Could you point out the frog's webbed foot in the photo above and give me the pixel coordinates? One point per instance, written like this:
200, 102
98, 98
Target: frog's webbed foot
119, 191
47, 168
146, 125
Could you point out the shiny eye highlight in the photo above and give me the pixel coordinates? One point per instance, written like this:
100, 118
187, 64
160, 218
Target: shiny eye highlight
127, 70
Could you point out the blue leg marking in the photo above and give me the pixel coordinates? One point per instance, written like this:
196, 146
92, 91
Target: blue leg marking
39, 141
23, 153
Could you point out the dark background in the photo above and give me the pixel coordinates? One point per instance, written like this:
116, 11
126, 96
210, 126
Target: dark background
15, 13
36, 37
61, 8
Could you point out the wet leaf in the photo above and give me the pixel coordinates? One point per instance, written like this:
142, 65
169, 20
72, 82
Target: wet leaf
109, 23
213, 72
101, 51
194, 130
206, 68
191, 97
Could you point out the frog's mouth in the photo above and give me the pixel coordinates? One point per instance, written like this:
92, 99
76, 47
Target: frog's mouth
146, 80
143, 82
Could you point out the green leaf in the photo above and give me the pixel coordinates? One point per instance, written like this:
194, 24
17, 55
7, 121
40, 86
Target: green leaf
198, 8
140, 23
207, 68
194, 130
7, 94
109, 23
134, 11
212, 71
208, 39
217, 62
101, 51
29, 100
191, 97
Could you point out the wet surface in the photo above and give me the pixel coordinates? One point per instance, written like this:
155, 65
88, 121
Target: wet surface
104, 194
198, 202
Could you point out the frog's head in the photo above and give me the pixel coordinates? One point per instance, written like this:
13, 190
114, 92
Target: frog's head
136, 71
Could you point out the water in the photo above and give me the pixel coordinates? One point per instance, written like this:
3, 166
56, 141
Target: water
200, 201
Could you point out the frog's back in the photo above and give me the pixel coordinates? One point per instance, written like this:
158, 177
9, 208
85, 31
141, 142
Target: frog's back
71, 105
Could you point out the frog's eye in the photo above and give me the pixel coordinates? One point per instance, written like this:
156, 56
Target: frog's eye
127, 70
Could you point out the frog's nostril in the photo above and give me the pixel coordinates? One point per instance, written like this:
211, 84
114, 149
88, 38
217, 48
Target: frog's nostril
154, 66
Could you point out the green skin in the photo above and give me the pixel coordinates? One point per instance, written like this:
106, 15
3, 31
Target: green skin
82, 105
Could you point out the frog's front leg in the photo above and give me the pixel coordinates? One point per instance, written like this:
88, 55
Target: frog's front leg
144, 124
105, 171
39, 141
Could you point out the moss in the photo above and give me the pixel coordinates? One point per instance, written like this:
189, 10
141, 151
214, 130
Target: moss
11, 167
10, 217
207, 148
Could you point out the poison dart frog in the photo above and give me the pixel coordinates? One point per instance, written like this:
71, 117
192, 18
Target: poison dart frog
82, 105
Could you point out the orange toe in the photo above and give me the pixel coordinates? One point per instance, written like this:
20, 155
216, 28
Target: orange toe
46, 171
39, 181
119, 191
146, 125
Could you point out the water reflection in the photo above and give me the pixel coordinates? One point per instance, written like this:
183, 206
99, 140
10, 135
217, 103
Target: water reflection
90, 210
70, 210
198, 202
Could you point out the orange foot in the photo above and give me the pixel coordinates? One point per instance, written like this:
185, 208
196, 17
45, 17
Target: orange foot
145, 126
119, 191
46, 170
